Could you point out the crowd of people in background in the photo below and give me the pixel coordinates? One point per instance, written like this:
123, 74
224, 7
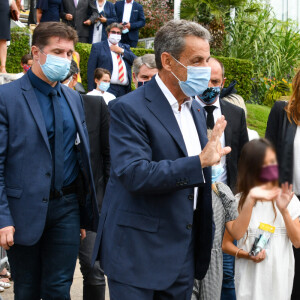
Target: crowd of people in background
193, 204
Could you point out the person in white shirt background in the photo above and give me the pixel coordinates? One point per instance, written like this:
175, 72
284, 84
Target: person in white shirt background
26, 63
102, 79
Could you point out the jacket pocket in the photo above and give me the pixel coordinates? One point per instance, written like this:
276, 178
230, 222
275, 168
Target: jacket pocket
14, 192
137, 221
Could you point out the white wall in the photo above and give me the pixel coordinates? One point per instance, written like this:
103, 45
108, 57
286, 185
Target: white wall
286, 9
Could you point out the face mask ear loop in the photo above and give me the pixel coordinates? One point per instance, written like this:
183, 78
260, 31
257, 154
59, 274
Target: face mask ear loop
180, 64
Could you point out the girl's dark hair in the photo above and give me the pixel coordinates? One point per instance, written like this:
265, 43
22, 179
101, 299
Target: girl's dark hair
250, 165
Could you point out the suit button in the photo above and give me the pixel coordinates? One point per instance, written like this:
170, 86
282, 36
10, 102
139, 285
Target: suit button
191, 197
189, 226
45, 200
48, 174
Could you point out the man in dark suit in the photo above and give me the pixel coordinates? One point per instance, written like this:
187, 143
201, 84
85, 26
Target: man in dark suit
131, 15
235, 135
156, 225
97, 122
79, 14
46, 185
115, 57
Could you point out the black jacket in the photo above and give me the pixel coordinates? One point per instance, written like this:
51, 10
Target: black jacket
282, 134
236, 136
97, 121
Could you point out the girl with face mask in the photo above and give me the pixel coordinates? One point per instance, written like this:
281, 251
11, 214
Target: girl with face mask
269, 274
225, 215
102, 79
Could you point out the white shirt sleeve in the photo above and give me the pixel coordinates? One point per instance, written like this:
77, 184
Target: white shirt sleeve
294, 208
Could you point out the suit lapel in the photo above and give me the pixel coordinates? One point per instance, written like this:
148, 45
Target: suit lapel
108, 54
160, 107
34, 106
131, 14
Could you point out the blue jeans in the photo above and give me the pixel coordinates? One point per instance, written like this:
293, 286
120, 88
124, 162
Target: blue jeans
45, 270
228, 287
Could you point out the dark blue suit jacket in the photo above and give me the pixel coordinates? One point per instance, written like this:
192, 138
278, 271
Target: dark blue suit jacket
137, 18
144, 230
110, 15
26, 162
100, 57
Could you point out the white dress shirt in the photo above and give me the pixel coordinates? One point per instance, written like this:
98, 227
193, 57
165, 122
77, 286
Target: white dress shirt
115, 72
127, 11
106, 95
217, 114
296, 170
97, 33
186, 124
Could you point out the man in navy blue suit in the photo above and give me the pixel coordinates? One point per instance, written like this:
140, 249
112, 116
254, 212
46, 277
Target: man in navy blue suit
131, 15
46, 185
155, 231
115, 57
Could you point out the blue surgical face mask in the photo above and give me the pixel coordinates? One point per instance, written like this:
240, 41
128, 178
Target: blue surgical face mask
104, 86
124, 31
55, 68
197, 80
210, 95
216, 171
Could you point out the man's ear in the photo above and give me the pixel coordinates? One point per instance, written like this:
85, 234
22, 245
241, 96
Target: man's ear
35, 53
167, 61
134, 77
223, 83
74, 80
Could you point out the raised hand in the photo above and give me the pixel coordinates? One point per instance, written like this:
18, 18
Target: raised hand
285, 197
263, 193
213, 152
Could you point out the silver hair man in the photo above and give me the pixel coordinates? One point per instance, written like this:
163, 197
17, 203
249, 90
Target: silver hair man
143, 69
173, 41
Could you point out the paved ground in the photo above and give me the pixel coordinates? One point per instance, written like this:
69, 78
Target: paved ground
76, 290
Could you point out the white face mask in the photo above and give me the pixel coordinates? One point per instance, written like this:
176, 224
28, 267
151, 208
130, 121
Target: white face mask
114, 38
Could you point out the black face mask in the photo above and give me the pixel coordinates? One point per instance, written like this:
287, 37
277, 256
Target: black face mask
141, 83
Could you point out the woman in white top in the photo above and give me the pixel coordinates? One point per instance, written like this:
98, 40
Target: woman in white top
269, 275
102, 79
107, 15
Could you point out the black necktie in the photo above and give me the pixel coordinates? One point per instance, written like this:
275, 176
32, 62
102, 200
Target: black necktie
210, 123
58, 142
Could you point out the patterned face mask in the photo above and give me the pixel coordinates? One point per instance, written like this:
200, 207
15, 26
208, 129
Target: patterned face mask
210, 94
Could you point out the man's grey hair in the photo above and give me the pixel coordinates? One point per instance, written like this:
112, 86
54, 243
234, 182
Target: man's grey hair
148, 60
171, 38
114, 25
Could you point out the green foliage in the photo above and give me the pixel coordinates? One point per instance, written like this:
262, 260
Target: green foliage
257, 117
241, 71
272, 45
157, 13
84, 52
19, 46
204, 11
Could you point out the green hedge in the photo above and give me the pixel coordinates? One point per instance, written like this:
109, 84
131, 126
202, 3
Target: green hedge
84, 52
240, 70
19, 46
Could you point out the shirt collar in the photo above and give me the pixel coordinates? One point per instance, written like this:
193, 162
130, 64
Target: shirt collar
216, 104
41, 85
171, 99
